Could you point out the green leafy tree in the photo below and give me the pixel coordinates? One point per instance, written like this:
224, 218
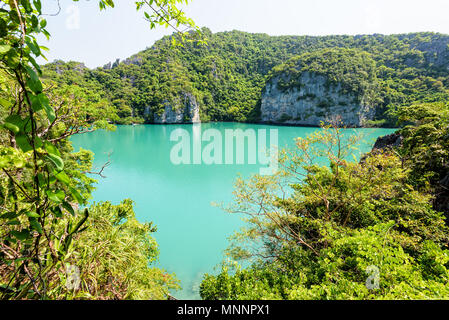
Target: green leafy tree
339, 230
426, 148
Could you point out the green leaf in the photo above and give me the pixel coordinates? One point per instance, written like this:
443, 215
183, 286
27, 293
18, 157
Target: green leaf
4, 48
37, 5
45, 102
34, 47
35, 225
76, 195
33, 82
51, 149
9, 215
57, 196
62, 177
23, 143
21, 235
26, 5
12, 127
42, 180
32, 215
34, 23
38, 142
57, 161
24, 125
68, 207
35, 65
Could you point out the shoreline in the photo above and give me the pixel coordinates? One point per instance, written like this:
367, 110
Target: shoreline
254, 123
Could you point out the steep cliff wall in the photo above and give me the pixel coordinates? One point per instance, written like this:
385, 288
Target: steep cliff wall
314, 101
322, 86
187, 112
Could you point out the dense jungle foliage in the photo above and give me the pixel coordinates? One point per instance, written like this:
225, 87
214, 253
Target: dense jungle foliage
229, 71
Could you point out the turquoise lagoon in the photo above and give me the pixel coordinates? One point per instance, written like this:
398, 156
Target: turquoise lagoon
192, 233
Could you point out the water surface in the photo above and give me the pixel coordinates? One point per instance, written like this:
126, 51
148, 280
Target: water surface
192, 233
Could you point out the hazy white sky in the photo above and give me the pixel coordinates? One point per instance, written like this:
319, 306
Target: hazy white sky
82, 33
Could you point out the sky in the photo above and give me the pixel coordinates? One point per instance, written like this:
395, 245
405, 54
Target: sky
80, 32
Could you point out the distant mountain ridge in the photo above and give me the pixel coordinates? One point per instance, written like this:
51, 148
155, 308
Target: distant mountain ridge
225, 80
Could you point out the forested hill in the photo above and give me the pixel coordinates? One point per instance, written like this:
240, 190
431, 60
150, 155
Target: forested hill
225, 78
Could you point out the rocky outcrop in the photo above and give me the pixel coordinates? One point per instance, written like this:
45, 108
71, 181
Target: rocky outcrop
188, 112
313, 101
384, 145
61, 67
390, 141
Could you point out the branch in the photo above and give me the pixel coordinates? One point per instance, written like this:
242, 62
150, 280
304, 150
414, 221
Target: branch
18, 185
100, 173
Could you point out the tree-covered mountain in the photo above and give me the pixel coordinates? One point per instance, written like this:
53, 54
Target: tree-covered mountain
227, 75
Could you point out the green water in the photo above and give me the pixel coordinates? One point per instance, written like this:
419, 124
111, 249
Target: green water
192, 233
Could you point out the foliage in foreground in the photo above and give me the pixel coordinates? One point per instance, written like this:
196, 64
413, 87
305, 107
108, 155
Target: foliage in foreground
353, 230
45, 235
114, 255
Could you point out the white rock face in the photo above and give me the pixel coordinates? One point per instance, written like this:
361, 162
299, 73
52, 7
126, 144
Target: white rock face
190, 113
316, 100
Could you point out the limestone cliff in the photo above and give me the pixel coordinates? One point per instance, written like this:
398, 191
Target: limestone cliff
315, 100
188, 111
321, 86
